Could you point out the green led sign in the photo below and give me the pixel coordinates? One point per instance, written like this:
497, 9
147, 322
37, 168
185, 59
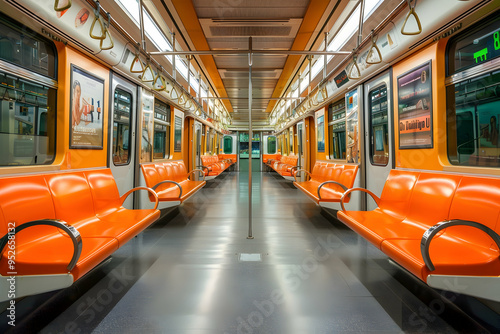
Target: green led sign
482, 55
475, 46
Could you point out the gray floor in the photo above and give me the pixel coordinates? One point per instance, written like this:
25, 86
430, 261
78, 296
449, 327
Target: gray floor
186, 276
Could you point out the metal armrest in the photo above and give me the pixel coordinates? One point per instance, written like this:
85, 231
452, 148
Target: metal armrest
168, 181
61, 9
70, 230
294, 167
375, 197
330, 182
124, 197
300, 170
198, 170
431, 232
204, 167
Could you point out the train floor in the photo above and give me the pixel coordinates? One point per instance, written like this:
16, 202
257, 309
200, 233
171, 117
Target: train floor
195, 272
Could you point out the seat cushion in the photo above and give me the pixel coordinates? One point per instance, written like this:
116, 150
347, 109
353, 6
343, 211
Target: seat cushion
450, 256
52, 254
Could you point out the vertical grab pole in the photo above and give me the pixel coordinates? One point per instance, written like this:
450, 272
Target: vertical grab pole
141, 22
250, 136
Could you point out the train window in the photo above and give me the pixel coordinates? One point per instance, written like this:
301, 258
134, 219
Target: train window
336, 130
473, 104
228, 145
291, 141
271, 145
379, 133
473, 121
122, 123
27, 122
161, 140
474, 47
24, 48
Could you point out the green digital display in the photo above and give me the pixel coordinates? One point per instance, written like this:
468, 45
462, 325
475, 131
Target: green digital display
491, 50
475, 48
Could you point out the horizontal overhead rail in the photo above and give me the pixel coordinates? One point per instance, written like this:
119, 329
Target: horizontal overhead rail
245, 52
254, 98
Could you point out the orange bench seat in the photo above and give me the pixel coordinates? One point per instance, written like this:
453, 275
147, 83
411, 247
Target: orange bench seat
63, 217
327, 181
441, 227
170, 180
285, 166
212, 165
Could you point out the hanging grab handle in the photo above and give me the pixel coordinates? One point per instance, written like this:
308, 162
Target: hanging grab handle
354, 68
111, 43
412, 12
151, 74
136, 60
374, 48
97, 18
159, 82
63, 8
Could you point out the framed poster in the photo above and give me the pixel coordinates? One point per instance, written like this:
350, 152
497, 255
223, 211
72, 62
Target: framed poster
321, 133
177, 134
87, 110
415, 108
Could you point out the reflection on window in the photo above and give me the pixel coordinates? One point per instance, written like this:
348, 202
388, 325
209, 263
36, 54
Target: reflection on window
271, 145
336, 130
23, 48
27, 122
178, 134
379, 148
161, 141
122, 123
473, 121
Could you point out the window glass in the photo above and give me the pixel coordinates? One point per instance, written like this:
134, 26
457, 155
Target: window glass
21, 47
178, 134
473, 116
336, 130
228, 145
379, 134
271, 145
122, 123
27, 122
161, 141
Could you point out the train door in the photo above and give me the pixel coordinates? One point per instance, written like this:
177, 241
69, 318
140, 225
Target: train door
378, 133
122, 143
197, 144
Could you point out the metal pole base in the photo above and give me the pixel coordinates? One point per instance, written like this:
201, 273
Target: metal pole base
249, 237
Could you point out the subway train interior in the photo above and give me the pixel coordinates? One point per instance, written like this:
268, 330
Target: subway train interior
234, 166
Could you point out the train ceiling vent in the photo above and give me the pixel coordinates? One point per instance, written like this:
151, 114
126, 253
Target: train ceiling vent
48, 25
266, 34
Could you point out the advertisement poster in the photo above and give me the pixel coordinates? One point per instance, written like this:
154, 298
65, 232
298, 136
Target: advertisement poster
321, 133
415, 108
352, 131
87, 105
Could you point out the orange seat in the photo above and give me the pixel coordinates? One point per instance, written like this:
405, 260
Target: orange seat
414, 203
340, 177
88, 203
170, 181
283, 165
213, 165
